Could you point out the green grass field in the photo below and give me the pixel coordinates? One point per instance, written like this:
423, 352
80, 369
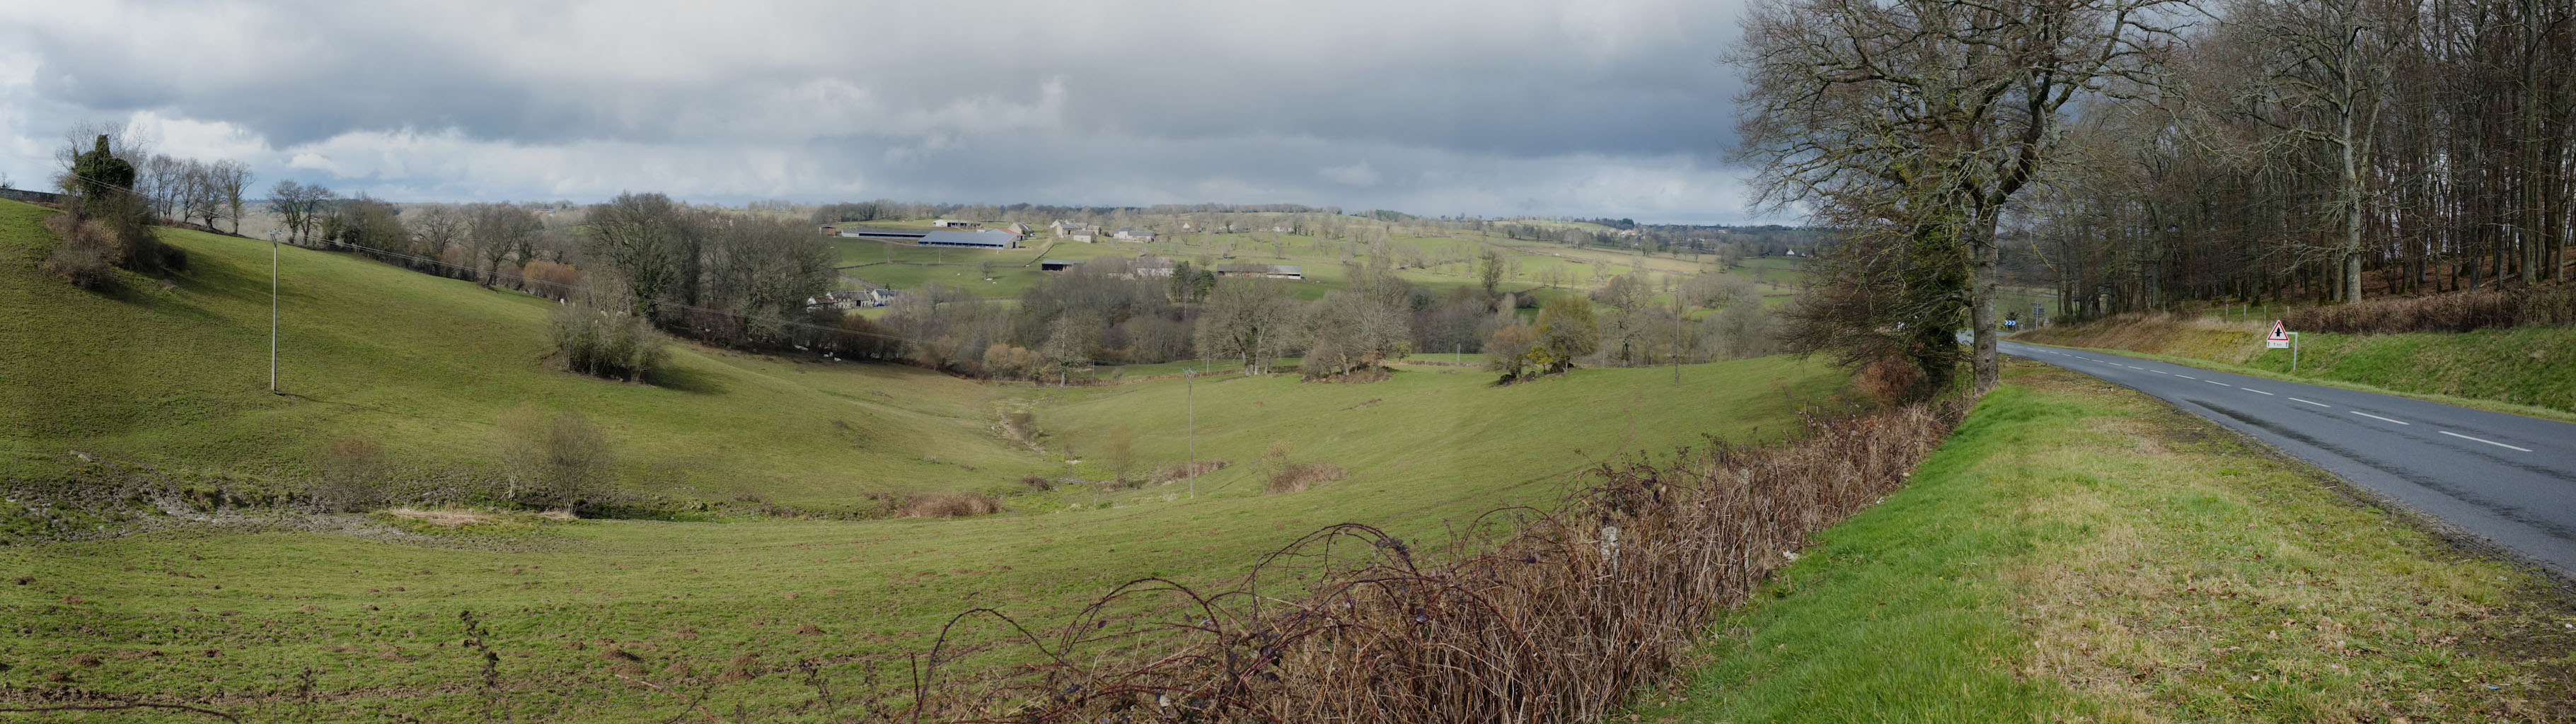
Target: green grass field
1437, 440
175, 376
374, 611
2079, 552
232, 612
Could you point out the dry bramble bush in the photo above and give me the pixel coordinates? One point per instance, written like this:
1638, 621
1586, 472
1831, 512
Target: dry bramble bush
2453, 312
949, 505
1530, 615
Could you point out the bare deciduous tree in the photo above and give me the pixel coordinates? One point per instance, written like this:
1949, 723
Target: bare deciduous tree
497, 231
1248, 319
1928, 116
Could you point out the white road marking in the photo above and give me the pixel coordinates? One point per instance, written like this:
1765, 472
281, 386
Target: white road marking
2187, 377
2490, 442
2218, 383
2256, 391
2319, 404
2156, 371
2376, 417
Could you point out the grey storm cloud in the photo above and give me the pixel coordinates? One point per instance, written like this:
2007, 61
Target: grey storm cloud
1493, 107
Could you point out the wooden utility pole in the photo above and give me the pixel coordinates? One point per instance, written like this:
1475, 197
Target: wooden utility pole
1190, 393
272, 311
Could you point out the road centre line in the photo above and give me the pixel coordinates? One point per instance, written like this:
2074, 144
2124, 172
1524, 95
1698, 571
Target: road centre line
2376, 417
2156, 371
2187, 377
2490, 442
2256, 391
2319, 404
2218, 383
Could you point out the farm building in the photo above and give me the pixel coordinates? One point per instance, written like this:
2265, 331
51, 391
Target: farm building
1129, 233
1272, 271
33, 197
1056, 264
842, 299
987, 239
956, 224
1078, 232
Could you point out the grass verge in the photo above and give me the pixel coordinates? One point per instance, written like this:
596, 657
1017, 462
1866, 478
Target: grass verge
2524, 370
2079, 552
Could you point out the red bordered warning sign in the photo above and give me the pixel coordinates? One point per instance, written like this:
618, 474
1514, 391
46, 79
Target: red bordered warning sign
2280, 336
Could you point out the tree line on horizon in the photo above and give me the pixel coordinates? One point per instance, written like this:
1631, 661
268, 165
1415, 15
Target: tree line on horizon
1106, 313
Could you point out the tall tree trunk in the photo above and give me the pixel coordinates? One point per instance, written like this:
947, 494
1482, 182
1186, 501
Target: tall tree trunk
1983, 253
2533, 171
2351, 248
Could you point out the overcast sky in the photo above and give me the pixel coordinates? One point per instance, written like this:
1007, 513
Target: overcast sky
1489, 107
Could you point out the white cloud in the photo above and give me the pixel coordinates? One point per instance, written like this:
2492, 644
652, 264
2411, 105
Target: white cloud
1490, 107
1357, 174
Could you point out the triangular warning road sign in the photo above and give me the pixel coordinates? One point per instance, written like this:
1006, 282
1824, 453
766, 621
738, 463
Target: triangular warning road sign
2280, 332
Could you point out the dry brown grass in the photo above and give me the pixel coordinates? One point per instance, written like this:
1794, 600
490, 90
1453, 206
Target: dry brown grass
1184, 471
1298, 477
1889, 380
2161, 333
2452, 312
448, 517
1529, 615
948, 505
86, 254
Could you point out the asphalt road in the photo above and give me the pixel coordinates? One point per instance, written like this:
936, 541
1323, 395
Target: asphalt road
2507, 478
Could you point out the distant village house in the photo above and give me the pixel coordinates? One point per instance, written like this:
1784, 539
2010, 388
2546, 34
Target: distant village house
1084, 233
841, 299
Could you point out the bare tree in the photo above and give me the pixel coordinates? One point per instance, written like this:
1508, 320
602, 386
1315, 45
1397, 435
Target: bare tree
299, 207
201, 194
761, 269
229, 178
436, 229
496, 231
577, 462
1927, 115
160, 182
2324, 74
1248, 319
648, 240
